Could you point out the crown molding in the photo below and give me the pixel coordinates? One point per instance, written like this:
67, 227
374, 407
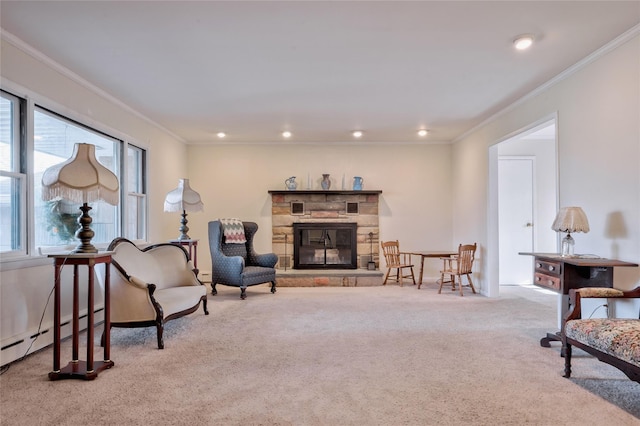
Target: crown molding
41, 57
612, 45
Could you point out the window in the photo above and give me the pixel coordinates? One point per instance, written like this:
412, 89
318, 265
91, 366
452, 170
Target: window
54, 222
136, 194
12, 179
53, 141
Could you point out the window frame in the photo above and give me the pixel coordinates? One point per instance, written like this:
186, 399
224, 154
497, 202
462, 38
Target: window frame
35, 256
15, 172
142, 218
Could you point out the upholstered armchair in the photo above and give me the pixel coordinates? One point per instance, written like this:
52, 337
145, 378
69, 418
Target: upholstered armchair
151, 286
237, 264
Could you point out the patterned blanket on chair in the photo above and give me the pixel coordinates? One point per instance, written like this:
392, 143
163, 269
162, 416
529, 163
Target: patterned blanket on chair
233, 231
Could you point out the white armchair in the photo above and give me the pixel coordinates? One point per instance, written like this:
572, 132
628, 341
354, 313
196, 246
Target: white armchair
152, 286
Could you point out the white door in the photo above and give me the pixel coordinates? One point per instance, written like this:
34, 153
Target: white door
515, 211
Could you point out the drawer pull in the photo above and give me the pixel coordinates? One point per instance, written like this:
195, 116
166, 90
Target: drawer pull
538, 265
552, 268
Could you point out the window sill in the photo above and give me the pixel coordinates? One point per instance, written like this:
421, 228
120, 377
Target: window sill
22, 262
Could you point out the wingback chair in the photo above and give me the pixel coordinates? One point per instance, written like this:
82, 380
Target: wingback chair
239, 265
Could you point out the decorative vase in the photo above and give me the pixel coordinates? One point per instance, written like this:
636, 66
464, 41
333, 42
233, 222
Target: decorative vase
291, 183
326, 181
357, 183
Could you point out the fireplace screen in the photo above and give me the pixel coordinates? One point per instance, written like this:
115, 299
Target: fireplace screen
324, 246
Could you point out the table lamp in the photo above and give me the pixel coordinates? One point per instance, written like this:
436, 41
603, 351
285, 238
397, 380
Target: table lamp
81, 179
570, 219
183, 199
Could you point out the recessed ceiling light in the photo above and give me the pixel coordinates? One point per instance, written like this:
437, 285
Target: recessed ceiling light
523, 41
286, 134
357, 133
221, 135
423, 132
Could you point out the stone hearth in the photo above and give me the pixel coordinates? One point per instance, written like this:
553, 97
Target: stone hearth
328, 278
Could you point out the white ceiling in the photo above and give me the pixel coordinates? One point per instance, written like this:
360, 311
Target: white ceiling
317, 68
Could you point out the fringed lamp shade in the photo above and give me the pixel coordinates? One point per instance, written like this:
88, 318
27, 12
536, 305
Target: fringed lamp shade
570, 219
81, 179
183, 199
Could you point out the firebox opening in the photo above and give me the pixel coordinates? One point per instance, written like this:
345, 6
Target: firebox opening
325, 246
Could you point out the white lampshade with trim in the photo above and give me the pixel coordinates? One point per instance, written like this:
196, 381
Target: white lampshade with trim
81, 179
183, 199
570, 219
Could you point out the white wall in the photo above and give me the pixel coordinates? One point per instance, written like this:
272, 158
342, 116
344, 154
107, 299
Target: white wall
415, 205
598, 110
24, 290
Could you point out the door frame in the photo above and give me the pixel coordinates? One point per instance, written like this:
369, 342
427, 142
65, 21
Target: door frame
493, 260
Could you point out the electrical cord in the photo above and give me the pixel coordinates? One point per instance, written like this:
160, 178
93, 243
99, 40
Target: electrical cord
5, 368
598, 307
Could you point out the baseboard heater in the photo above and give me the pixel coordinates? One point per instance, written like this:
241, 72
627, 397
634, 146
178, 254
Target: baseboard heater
18, 353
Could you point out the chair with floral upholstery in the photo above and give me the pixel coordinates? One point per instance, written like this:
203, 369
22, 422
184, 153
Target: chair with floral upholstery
614, 340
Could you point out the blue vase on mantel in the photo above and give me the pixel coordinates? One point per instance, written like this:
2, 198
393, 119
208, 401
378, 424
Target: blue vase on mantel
357, 183
326, 181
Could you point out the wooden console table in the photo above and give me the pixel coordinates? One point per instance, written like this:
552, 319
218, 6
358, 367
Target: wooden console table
562, 274
77, 369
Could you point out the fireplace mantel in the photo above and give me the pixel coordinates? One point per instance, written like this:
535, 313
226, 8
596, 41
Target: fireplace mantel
322, 191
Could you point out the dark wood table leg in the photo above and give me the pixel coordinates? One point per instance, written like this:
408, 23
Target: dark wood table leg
550, 337
107, 314
56, 321
75, 322
421, 271
90, 319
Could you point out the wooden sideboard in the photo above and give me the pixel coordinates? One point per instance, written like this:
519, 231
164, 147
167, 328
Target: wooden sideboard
561, 274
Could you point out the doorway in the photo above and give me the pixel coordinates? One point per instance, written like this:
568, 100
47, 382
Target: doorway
528, 229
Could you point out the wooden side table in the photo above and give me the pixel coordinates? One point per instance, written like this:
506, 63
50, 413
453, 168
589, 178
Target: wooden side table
192, 248
432, 254
561, 274
78, 369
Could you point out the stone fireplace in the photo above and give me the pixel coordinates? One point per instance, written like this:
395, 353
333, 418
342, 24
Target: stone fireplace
318, 210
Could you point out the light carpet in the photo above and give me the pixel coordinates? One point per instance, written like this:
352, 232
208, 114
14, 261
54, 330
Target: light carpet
334, 356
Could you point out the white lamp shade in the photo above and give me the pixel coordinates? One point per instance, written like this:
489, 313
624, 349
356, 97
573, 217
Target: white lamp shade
183, 198
81, 179
571, 219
